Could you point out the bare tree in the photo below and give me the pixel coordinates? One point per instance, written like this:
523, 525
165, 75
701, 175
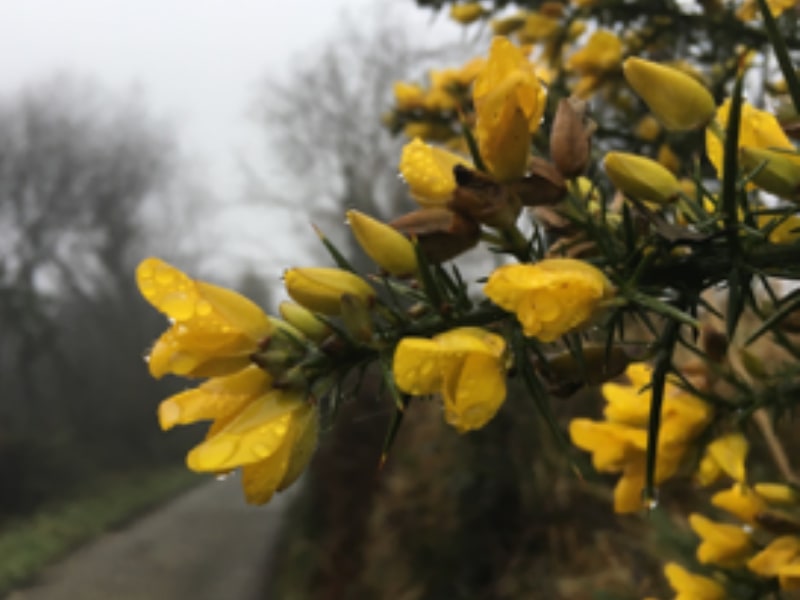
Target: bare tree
75, 170
324, 120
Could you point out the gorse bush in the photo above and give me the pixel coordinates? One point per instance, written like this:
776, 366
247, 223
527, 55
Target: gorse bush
631, 166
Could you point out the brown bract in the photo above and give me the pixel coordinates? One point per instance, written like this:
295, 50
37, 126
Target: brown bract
441, 233
570, 140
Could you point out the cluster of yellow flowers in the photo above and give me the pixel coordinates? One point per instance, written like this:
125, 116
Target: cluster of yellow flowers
490, 142
763, 544
270, 432
618, 444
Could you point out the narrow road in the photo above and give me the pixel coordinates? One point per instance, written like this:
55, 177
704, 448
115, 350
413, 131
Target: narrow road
205, 545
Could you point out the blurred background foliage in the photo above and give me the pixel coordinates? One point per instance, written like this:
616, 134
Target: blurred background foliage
81, 174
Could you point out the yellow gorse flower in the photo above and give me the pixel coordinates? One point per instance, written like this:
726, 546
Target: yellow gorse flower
214, 330
602, 53
721, 543
757, 129
509, 103
690, 586
619, 444
428, 171
464, 365
271, 438
270, 433
726, 454
781, 559
551, 297
408, 96
254, 427
740, 501
254, 433
538, 27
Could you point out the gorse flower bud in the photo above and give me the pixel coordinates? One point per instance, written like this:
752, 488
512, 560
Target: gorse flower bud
304, 320
320, 289
507, 25
678, 100
641, 177
384, 244
467, 13
356, 318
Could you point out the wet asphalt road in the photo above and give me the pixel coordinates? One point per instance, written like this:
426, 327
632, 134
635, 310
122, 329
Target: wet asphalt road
207, 544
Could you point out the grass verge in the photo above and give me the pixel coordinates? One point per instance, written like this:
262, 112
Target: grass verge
28, 544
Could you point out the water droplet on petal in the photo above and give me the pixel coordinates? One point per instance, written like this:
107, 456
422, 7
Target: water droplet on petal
203, 308
178, 306
182, 364
260, 450
211, 454
165, 276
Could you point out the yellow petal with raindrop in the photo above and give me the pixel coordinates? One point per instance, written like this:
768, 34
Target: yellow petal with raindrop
474, 392
417, 366
252, 435
217, 398
260, 480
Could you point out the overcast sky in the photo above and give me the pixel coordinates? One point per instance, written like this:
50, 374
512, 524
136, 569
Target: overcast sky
195, 63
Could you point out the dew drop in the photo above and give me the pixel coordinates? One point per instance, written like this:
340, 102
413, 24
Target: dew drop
211, 455
170, 413
164, 276
426, 370
181, 364
260, 450
178, 306
222, 476
203, 308
148, 288
650, 503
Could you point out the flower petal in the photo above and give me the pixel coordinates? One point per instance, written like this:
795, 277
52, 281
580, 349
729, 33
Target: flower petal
252, 435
